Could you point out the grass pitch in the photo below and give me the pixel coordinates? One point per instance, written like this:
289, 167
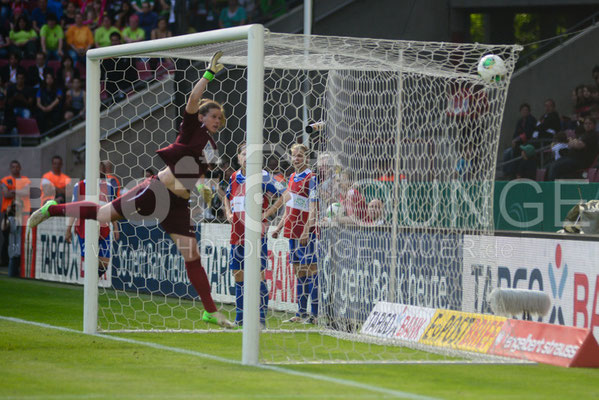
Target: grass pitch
39, 361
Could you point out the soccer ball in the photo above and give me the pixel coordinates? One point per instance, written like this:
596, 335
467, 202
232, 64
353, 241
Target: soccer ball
332, 210
491, 68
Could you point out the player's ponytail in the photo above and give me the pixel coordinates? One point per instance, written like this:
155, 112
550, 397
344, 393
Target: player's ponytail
205, 105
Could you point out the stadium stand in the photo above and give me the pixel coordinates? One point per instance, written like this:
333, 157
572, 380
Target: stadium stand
119, 11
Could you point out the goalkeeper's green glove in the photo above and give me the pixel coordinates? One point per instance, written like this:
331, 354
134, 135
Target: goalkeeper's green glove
214, 66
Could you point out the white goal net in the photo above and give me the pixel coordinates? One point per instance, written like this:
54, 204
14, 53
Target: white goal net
404, 154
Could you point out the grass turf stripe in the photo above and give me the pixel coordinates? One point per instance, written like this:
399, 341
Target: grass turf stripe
324, 378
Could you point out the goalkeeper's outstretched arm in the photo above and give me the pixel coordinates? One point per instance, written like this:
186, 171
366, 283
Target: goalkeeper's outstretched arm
193, 103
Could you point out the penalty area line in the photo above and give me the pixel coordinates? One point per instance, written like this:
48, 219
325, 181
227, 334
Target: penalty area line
287, 371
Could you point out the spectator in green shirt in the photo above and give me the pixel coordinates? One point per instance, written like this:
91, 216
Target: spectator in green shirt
52, 38
272, 8
132, 32
232, 15
138, 4
23, 39
102, 33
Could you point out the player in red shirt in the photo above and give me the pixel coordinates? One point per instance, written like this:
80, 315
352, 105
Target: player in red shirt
299, 220
106, 193
235, 210
165, 197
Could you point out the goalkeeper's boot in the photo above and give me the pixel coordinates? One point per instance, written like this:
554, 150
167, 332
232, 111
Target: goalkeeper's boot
40, 215
217, 318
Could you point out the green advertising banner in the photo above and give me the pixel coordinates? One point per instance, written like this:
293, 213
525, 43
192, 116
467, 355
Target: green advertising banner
520, 205
526, 205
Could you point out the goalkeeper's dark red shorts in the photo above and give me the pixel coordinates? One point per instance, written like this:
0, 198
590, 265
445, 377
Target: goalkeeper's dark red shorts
152, 203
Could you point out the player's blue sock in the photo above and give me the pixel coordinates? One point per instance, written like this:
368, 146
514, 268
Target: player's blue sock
239, 302
313, 290
263, 301
302, 296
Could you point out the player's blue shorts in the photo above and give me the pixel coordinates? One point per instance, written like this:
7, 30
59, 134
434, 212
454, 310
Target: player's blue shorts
304, 255
104, 247
237, 255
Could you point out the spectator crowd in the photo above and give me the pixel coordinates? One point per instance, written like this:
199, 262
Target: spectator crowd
557, 146
43, 45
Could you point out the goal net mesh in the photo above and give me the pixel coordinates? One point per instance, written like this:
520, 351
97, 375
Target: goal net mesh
405, 157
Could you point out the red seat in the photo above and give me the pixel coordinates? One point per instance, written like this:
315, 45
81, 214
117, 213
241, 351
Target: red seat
54, 64
81, 68
103, 92
166, 67
27, 126
541, 172
144, 71
27, 63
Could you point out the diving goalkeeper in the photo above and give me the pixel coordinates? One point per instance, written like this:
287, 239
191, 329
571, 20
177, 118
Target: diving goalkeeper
165, 196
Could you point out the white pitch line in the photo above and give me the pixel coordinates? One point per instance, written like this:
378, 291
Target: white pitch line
344, 382
183, 396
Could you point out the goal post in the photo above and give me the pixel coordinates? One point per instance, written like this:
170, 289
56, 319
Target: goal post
254, 34
92, 174
407, 127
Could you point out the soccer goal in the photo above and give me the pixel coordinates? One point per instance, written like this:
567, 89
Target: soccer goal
404, 143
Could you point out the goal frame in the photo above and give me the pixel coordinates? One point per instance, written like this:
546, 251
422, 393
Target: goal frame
254, 139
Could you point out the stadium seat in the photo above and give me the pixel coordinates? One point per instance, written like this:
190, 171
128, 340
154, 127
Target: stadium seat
144, 70
27, 127
27, 63
103, 92
166, 67
81, 68
54, 64
168, 64
541, 173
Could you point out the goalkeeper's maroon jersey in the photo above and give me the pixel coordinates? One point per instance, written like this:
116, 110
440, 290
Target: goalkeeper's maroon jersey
192, 151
